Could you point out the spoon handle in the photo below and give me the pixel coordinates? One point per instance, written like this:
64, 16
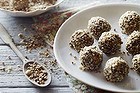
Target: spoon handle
8, 40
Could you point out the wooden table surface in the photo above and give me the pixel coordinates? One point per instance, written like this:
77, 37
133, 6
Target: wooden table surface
15, 82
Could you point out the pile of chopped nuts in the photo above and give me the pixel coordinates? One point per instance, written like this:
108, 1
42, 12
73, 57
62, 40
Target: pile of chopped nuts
36, 73
25, 5
45, 28
33, 42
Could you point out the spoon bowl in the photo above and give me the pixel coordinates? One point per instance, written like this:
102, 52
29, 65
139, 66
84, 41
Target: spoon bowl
47, 82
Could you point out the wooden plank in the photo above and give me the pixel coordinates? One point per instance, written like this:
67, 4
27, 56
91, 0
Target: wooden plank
16, 25
16, 78
36, 90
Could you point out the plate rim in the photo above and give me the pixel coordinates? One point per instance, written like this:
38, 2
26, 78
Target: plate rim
55, 41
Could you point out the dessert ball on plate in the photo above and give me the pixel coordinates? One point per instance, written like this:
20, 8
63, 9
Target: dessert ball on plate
109, 42
98, 25
90, 58
116, 69
80, 39
133, 43
129, 22
136, 63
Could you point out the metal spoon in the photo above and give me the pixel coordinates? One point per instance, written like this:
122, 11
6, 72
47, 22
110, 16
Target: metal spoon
8, 40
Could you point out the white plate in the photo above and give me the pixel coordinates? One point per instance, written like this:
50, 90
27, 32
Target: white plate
31, 13
110, 12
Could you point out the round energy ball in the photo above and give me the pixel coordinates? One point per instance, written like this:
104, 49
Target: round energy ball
90, 58
98, 25
109, 42
136, 63
116, 69
133, 43
80, 39
129, 22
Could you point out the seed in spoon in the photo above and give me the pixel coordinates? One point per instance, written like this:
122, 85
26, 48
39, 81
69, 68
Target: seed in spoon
36, 73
